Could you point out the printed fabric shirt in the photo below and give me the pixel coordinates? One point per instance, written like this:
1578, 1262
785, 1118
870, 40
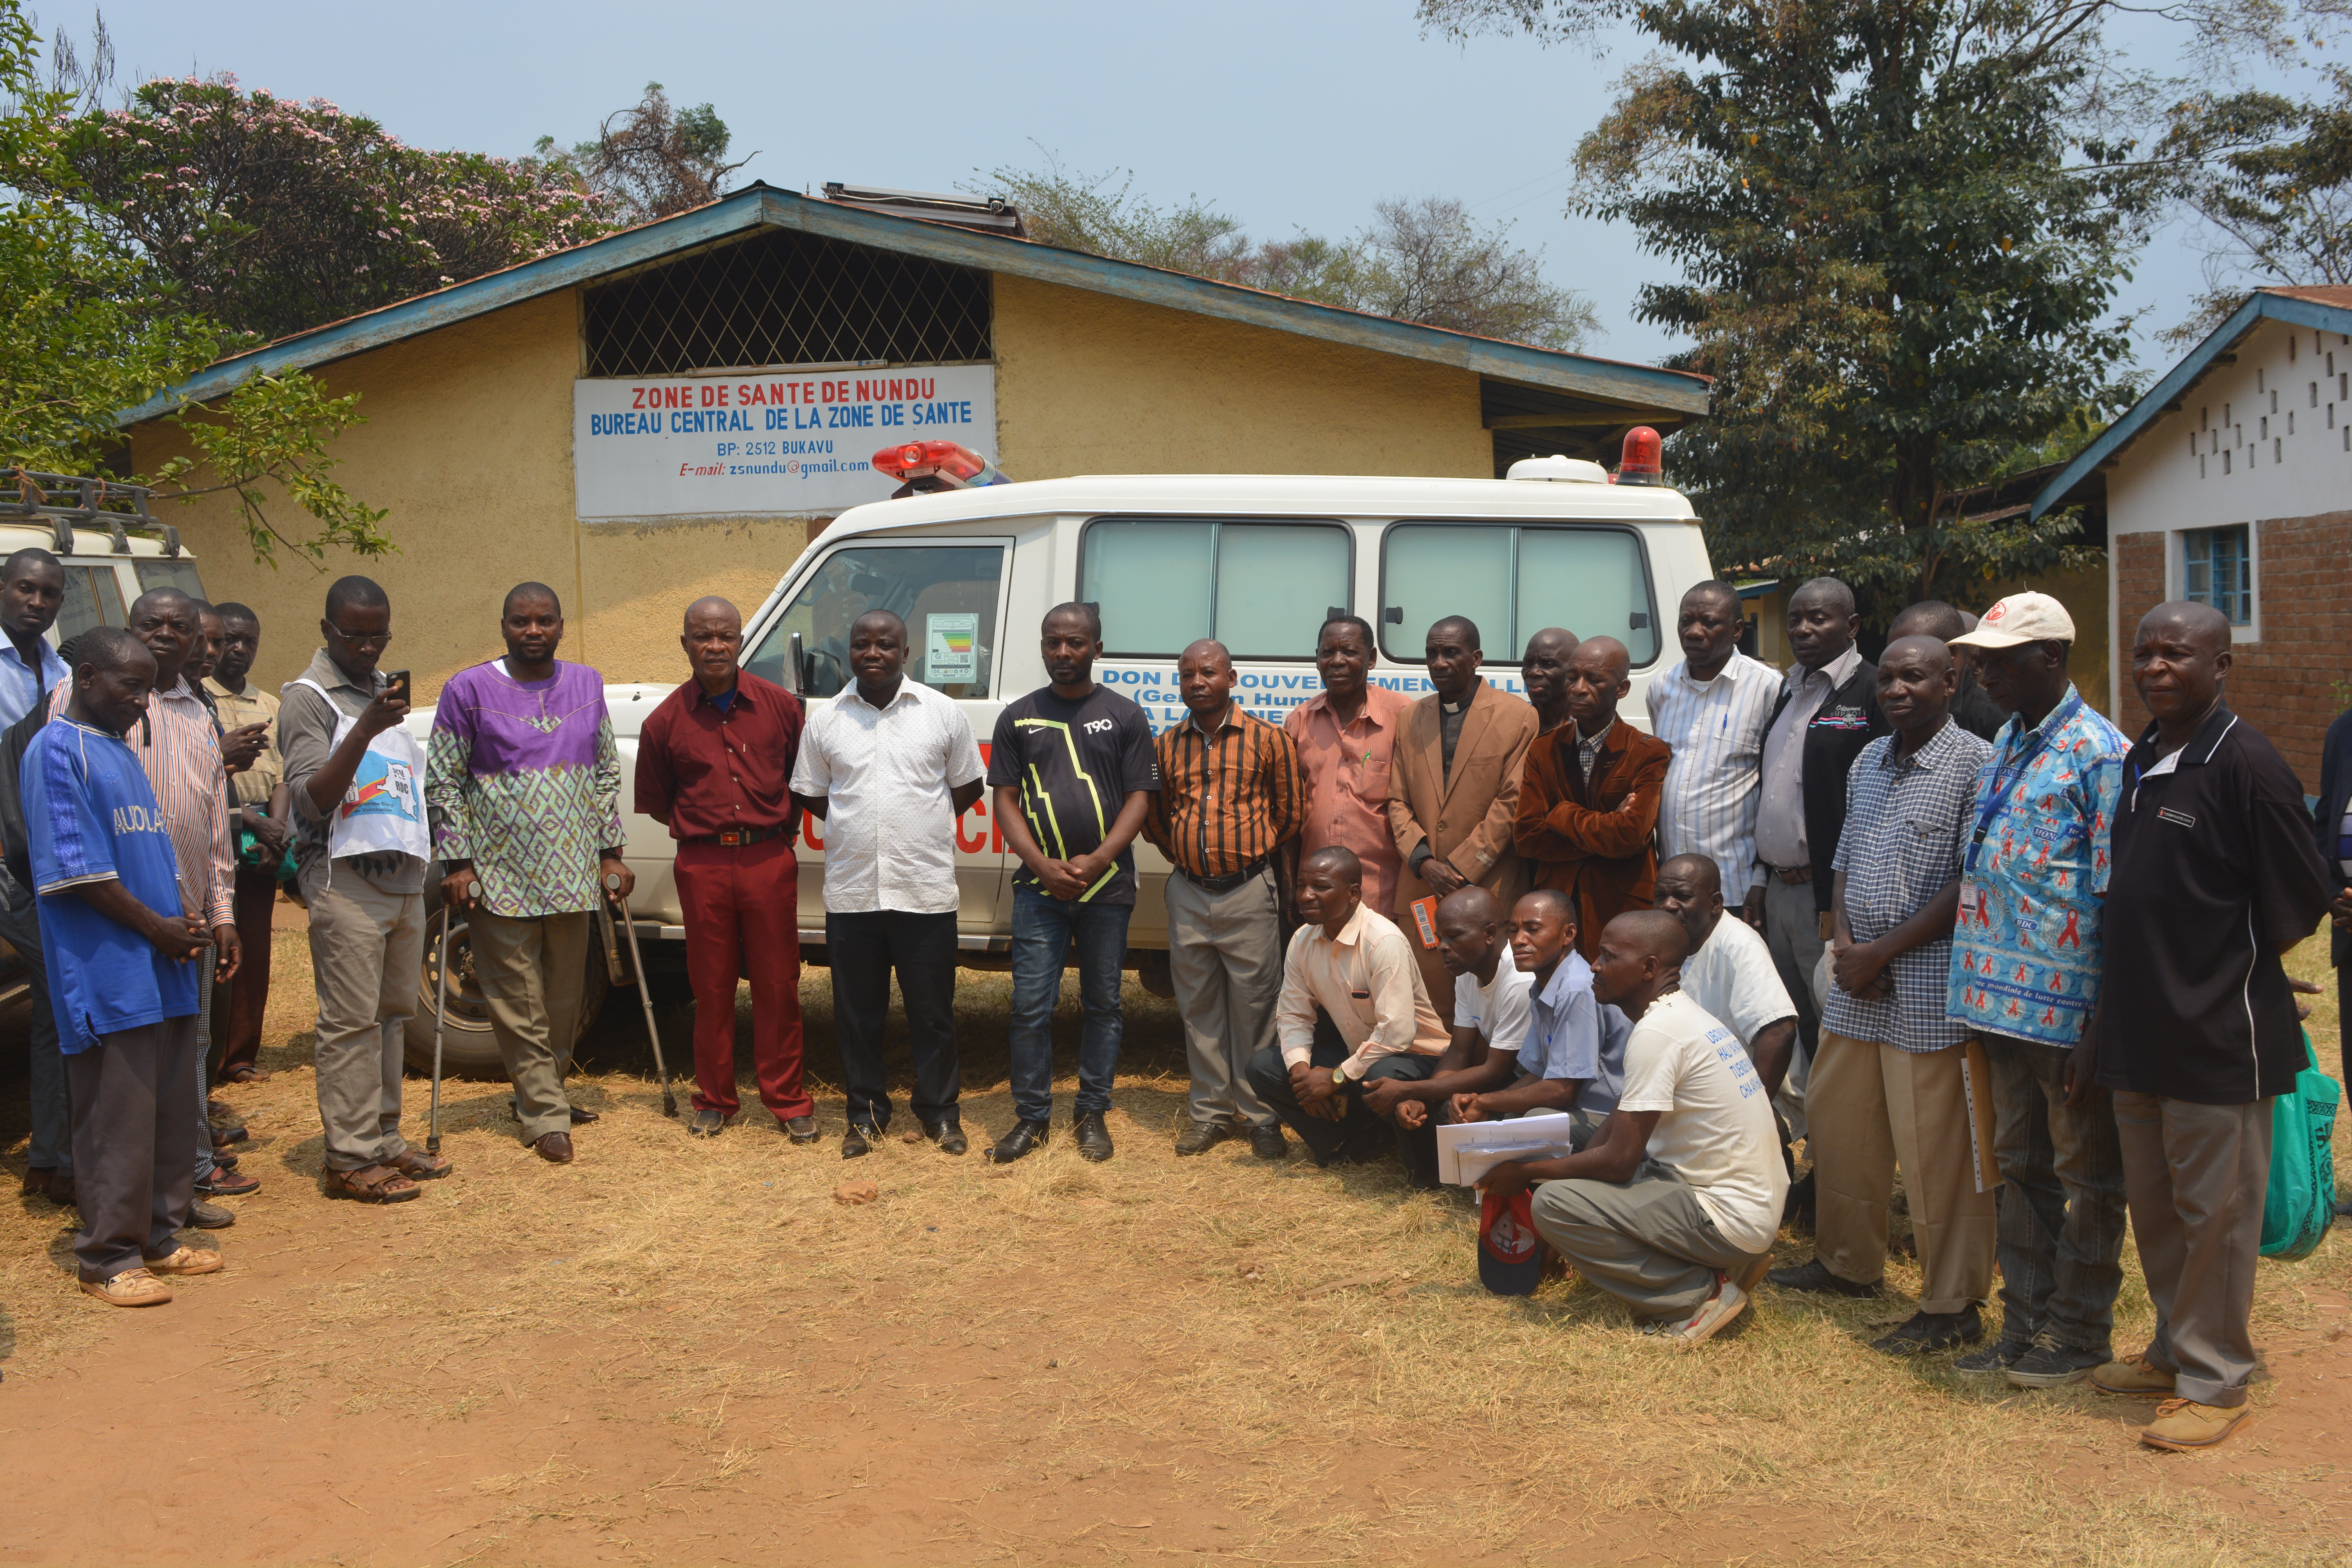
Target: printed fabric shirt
888, 776
307, 723
1347, 774
1713, 781
179, 749
1367, 979
236, 709
523, 779
2026, 948
1075, 763
1906, 819
94, 819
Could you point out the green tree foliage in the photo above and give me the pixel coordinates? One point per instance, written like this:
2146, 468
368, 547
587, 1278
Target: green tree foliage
1900, 227
2272, 178
651, 161
1424, 260
89, 326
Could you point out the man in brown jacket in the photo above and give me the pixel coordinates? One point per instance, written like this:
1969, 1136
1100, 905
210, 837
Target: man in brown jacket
1588, 806
1454, 785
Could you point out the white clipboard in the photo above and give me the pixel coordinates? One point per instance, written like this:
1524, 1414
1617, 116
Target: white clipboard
1468, 1150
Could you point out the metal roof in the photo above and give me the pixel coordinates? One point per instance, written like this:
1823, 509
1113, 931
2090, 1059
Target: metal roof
759, 205
2324, 309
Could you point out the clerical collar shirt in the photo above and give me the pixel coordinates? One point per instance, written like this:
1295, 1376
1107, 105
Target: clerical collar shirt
2215, 874
1780, 813
1716, 730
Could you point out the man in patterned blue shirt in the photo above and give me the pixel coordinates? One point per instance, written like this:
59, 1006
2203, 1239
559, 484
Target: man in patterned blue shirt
2025, 976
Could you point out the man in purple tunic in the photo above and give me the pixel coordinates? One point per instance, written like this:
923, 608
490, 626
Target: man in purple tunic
525, 783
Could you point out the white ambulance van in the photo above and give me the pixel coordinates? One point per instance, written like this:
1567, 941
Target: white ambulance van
1257, 561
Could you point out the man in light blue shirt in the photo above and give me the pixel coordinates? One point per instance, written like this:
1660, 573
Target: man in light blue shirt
1571, 1059
32, 590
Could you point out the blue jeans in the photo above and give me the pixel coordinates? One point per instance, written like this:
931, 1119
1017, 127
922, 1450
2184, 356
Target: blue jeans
1043, 930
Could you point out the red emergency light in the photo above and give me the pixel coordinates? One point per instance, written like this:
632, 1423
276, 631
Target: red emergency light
957, 467
1643, 463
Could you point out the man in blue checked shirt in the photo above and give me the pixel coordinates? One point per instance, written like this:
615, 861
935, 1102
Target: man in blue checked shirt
32, 590
2025, 976
1889, 1086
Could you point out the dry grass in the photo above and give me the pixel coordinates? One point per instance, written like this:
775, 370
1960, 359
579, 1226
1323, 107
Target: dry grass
1155, 1333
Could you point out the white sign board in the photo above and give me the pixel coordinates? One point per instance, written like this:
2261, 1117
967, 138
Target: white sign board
794, 443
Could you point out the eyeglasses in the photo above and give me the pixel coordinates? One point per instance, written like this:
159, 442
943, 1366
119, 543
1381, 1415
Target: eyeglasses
360, 639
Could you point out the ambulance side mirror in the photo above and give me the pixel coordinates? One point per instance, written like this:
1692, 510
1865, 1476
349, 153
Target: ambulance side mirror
798, 667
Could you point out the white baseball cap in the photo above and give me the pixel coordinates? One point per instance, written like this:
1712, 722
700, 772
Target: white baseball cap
2022, 618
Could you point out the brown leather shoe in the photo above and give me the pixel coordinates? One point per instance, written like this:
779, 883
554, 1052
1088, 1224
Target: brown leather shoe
555, 1148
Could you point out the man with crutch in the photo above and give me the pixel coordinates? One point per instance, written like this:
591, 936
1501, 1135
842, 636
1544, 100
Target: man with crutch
715, 767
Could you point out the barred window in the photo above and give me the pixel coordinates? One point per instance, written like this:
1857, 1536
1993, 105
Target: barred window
786, 297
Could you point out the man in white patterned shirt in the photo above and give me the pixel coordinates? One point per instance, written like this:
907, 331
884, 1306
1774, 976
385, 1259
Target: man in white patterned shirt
1712, 709
887, 766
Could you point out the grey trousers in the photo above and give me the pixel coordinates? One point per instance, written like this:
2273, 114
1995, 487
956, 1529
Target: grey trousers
1224, 956
2061, 1221
1649, 1242
531, 971
367, 950
52, 1145
207, 964
2196, 1176
134, 1165
1792, 934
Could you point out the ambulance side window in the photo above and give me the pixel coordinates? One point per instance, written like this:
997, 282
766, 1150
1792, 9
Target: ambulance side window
1514, 581
947, 595
1261, 587
93, 598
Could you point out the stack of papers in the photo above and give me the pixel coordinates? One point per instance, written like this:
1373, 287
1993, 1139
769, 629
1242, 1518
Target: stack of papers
1468, 1150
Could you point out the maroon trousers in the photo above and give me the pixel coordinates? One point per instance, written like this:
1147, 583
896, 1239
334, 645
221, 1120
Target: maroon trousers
249, 994
743, 919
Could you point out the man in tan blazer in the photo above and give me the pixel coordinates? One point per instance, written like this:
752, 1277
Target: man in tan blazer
1453, 788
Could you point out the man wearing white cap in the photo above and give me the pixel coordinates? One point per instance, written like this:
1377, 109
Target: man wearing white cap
2025, 977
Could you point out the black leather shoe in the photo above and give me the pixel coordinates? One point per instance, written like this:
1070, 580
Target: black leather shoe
948, 1135
1025, 1135
1202, 1136
800, 1129
707, 1124
1267, 1142
1814, 1277
860, 1139
1927, 1332
1094, 1138
210, 1217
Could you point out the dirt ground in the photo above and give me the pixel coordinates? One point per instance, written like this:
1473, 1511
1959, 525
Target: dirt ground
676, 1351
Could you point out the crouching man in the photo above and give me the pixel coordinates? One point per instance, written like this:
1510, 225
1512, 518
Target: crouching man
1673, 1203
1352, 1011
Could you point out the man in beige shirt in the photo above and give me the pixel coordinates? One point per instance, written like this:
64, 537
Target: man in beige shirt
260, 797
1353, 1010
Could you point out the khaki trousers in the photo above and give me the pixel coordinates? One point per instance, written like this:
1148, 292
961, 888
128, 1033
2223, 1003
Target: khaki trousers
532, 972
2196, 1177
367, 955
1224, 957
1874, 1108
1649, 1242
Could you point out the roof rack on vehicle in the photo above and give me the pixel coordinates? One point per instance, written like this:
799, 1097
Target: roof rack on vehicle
109, 504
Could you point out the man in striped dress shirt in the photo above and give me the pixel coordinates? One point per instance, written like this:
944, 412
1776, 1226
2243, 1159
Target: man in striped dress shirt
1228, 815
1712, 709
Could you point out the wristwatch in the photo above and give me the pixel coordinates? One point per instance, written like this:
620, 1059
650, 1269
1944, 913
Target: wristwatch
1339, 1076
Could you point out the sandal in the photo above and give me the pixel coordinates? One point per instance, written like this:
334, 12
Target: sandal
372, 1185
417, 1165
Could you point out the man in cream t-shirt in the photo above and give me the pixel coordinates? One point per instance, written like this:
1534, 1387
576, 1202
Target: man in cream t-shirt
1673, 1204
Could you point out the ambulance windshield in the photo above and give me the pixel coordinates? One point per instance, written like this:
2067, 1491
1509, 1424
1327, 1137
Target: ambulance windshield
946, 594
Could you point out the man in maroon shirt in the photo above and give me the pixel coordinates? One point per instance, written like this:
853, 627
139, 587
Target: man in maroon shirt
714, 766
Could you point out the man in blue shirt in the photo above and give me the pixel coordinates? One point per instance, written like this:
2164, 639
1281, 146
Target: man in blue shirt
32, 590
119, 953
1569, 1060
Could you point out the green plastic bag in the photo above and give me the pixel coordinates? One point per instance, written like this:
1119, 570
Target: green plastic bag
2301, 1204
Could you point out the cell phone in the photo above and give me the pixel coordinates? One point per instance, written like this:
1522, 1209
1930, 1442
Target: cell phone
398, 683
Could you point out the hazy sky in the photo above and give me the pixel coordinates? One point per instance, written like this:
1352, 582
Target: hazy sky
1290, 116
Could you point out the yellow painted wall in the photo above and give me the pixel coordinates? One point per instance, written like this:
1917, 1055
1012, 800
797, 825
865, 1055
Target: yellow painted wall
2084, 594
468, 445
1089, 384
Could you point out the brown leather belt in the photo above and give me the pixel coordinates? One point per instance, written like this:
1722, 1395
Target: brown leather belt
736, 837
1792, 875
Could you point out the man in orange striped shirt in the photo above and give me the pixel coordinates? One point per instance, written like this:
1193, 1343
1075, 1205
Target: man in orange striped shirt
1228, 815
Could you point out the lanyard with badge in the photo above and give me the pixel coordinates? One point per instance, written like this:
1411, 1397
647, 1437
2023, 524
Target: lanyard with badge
2010, 774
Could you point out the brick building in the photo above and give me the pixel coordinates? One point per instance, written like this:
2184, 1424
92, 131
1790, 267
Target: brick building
2231, 483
